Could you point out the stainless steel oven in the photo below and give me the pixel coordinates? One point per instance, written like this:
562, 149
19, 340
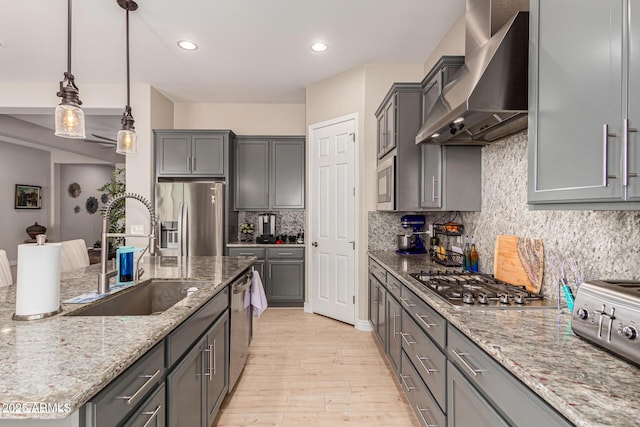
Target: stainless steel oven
240, 326
386, 184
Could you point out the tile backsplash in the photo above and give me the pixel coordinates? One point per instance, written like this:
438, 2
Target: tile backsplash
607, 241
287, 222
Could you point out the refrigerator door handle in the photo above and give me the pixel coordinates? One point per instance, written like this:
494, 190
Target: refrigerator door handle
180, 229
185, 229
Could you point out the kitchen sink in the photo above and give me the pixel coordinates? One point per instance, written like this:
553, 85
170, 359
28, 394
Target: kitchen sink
152, 296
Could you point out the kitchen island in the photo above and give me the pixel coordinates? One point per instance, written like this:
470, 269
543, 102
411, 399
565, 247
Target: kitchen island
584, 383
52, 367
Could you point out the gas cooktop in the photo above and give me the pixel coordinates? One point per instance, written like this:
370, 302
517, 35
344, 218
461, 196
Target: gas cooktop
464, 289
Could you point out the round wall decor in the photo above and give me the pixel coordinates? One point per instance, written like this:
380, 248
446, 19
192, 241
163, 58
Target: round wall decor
74, 189
91, 205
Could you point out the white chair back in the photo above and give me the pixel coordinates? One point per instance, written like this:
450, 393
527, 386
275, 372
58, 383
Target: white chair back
73, 255
6, 278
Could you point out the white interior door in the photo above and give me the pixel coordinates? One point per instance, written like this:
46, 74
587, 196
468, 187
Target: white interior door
332, 219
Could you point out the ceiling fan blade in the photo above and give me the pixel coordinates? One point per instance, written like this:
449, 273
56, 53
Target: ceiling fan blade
108, 143
103, 137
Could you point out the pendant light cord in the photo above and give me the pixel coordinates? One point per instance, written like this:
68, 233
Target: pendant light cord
128, 84
69, 38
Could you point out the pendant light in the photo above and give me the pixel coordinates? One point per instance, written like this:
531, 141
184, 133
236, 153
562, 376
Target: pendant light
127, 140
69, 117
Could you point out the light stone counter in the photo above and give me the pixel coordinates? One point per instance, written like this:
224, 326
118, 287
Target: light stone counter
59, 363
589, 386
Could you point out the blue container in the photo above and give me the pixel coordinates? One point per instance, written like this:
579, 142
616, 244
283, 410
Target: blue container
124, 265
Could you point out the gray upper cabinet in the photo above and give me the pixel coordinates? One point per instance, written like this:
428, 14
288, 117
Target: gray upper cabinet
583, 103
451, 178
181, 153
269, 173
399, 117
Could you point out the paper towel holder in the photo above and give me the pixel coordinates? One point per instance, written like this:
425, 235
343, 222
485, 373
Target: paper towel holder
40, 240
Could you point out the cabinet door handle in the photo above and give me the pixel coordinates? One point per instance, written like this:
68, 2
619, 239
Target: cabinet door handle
193, 163
433, 188
426, 367
404, 300
246, 253
625, 151
211, 369
424, 419
153, 416
460, 355
425, 323
403, 378
189, 164
395, 316
404, 338
285, 253
605, 153
134, 396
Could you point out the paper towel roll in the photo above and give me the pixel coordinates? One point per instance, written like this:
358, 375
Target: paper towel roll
38, 281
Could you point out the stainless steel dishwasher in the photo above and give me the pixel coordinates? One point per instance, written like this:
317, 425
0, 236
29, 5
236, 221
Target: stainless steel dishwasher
240, 326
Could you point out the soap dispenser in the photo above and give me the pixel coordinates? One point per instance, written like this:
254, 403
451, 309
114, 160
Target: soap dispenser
125, 269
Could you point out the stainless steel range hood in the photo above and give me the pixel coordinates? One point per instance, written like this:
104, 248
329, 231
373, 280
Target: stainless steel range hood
487, 100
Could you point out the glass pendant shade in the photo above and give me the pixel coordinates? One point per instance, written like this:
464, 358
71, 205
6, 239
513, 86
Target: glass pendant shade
127, 142
69, 121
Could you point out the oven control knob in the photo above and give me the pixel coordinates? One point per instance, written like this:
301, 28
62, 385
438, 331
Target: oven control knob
629, 332
583, 313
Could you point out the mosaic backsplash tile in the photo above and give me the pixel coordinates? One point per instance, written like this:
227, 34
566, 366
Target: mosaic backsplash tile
607, 241
287, 222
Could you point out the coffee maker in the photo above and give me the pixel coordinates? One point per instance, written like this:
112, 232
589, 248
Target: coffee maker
266, 228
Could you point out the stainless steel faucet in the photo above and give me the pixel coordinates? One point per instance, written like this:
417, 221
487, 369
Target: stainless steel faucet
103, 276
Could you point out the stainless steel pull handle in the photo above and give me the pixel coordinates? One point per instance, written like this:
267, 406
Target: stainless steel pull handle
132, 398
433, 188
625, 151
425, 323
404, 336
605, 153
395, 316
403, 379
460, 355
314, 244
426, 367
285, 253
246, 253
424, 419
193, 163
213, 351
189, 163
153, 416
211, 369
404, 300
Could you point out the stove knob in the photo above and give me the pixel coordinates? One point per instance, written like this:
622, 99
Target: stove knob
583, 313
629, 332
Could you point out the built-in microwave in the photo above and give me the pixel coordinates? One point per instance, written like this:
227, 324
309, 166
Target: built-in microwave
386, 184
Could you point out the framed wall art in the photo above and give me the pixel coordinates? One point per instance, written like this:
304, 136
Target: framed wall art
28, 197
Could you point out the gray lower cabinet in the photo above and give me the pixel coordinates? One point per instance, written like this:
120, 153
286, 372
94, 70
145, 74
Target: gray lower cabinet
394, 331
450, 178
198, 384
519, 405
467, 407
282, 273
116, 402
152, 413
183, 153
269, 173
422, 403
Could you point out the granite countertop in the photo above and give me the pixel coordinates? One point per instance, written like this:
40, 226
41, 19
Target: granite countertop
253, 244
586, 384
63, 361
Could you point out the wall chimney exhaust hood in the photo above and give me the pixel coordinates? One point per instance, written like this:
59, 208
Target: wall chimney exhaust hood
488, 99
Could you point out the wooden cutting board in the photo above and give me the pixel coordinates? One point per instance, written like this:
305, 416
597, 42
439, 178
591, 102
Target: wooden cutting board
519, 261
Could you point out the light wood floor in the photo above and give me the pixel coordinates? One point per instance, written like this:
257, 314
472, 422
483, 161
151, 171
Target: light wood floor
307, 370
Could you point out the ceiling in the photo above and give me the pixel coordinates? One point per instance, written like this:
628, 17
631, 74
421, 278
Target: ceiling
250, 51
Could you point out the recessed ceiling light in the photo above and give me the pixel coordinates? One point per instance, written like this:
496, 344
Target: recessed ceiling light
187, 45
319, 47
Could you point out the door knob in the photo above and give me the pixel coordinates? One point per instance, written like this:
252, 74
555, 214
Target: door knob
315, 244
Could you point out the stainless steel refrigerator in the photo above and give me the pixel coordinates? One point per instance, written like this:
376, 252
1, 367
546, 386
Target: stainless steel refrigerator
191, 218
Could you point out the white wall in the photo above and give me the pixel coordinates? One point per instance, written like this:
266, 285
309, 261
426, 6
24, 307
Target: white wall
81, 225
242, 119
21, 165
451, 44
360, 91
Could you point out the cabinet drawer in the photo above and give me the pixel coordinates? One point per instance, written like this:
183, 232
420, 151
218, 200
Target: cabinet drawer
431, 322
421, 400
257, 252
285, 253
183, 337
113, 404
427, 358
378, 271
518, 402
394, 286
152, 412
